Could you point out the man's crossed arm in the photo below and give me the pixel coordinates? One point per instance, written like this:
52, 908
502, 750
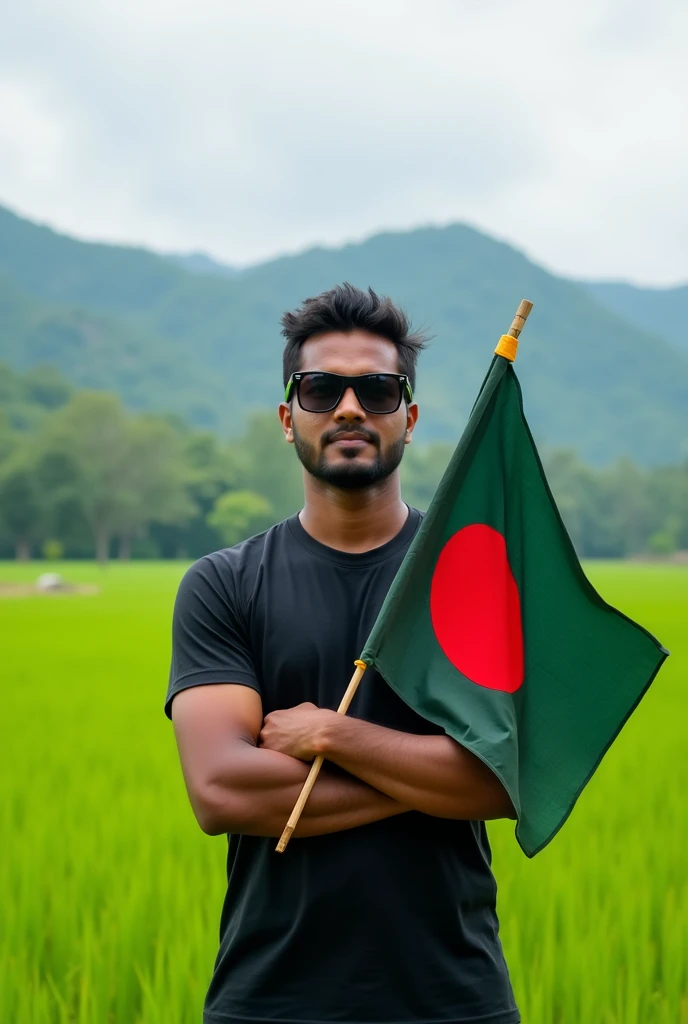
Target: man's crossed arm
236, 786
432, 774
244, 774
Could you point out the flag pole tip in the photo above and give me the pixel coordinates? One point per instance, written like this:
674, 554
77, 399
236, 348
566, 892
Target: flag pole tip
522, 313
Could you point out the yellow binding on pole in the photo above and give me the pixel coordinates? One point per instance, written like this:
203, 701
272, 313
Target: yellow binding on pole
507, 347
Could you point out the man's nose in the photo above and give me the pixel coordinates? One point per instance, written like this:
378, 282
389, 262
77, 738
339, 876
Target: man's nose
349, 409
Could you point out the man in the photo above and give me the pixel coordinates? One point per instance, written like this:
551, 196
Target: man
382, 908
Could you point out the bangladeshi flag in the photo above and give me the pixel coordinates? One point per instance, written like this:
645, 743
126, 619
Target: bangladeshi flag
492, 631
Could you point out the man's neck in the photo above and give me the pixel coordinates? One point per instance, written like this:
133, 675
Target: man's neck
353, 521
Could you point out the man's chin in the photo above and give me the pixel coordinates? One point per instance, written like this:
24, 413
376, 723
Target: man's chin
349, 474
349, 477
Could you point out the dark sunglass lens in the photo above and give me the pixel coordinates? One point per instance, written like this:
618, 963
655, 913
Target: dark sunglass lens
318, 392
379, 393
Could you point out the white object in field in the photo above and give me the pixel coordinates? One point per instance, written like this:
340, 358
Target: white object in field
50, 581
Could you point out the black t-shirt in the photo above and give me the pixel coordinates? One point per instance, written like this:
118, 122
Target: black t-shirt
390, 922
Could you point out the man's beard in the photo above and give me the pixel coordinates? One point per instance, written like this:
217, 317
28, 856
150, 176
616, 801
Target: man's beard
349, 473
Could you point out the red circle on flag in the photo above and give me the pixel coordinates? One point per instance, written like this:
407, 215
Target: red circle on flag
475, 608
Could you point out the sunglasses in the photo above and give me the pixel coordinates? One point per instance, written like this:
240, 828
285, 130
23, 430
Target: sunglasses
377, 393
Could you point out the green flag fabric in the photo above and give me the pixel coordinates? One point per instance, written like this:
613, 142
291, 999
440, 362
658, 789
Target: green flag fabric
492, 631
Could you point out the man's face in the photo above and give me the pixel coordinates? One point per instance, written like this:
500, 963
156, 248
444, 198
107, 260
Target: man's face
349, 447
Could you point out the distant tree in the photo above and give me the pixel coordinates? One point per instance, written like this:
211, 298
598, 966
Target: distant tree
154, 485
58, 474
665, 540
91, 433
668, 487
620, 509
239, 514
267, 465
212, 470
122, 472
22, 510
53, 550
630, 497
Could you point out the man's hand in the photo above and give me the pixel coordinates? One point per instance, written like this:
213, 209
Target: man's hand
296, 731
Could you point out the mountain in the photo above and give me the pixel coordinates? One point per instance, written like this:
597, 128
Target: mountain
593, 380
662, 311
95, 350
201, 263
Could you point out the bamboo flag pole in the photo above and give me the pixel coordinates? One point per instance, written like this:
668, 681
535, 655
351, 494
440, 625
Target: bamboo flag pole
508, 343
318, 763
507, 346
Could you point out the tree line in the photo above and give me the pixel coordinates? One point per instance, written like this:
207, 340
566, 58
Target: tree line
80, 476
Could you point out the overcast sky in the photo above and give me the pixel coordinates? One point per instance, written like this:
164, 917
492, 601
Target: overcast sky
248, 129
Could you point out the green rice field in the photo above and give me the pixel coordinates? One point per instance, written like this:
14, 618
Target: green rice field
110, 894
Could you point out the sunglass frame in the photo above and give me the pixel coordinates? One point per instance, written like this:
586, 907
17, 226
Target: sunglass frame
349, 382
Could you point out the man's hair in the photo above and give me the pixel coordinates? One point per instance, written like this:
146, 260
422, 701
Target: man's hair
347, 308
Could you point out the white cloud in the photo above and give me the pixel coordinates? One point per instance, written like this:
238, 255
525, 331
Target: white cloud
251, 129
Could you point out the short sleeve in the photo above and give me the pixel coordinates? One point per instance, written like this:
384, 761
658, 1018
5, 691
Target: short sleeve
209, 641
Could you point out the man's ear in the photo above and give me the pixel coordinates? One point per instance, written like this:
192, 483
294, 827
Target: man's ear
284, 413
411, 420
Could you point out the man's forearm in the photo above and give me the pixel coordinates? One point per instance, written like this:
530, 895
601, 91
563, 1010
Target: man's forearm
255, 790
432, 774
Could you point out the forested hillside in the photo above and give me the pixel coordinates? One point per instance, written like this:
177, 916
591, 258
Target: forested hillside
165, 338
99, 350
662, 310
